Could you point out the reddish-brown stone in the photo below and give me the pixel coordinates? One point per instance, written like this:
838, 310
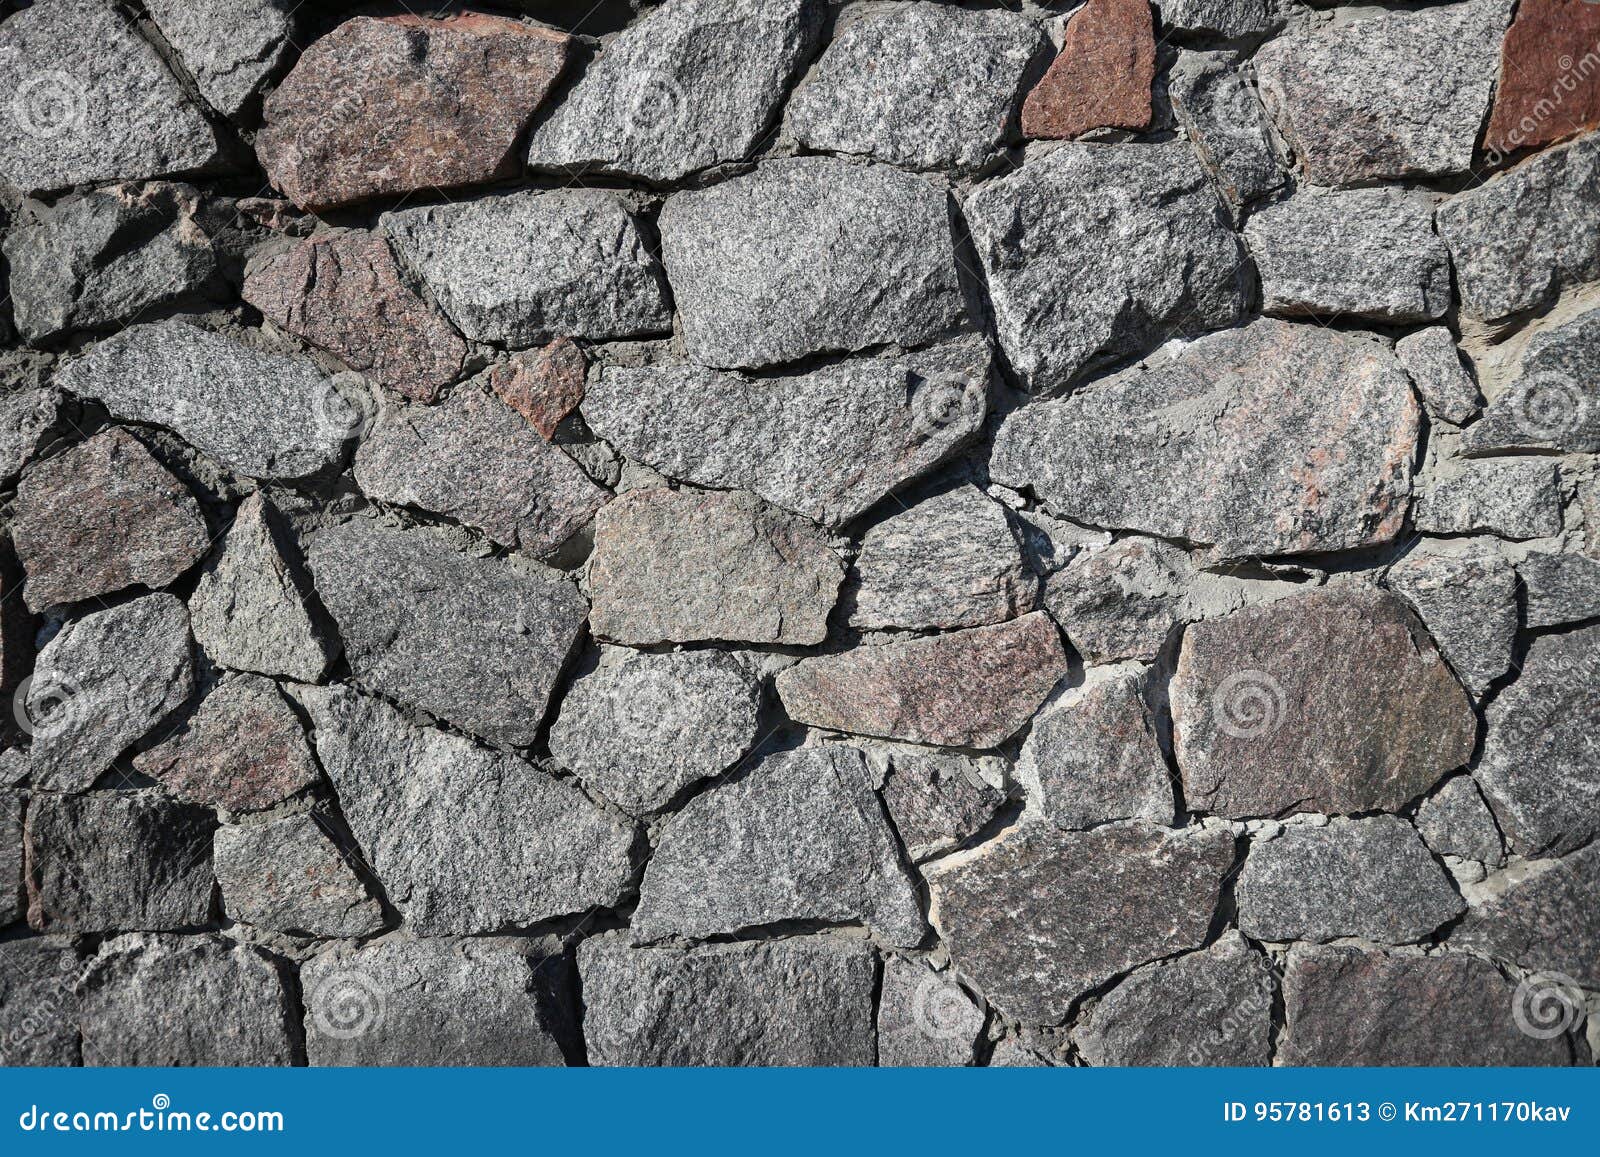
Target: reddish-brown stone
544, 386
1549, 76
1102, 76
343, 292
393, 104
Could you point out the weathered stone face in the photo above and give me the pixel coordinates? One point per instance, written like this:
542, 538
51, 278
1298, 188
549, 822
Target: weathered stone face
1513, 498
925, 1019
1545, 92
13, 903
1432, 359
1547, 921
1101, 77
287, 875
1553, 402
1454, 821
1121, 601
39, 1001
230, 47
1226, 18
27, 420
1223, 116
1467, 598
937, 800
543, 387
1559, 588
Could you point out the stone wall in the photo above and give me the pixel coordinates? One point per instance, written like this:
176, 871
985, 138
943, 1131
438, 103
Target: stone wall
756, 532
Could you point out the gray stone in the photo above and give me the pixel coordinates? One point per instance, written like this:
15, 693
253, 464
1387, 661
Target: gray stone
92, 102
1012, 1054
1333, 701
1038, 917
1513, 498
1367, 253
640, 728
1227, 18
434, 1002
827, 444
803, 836
12, 906
101, 517
692, 84
679, 566
937, 800
1122, 601
251, 608
1212, 1007
810, 255
110, 861
1222, 115
1540, 767
1559, 588
102, 684
1521, 238
1455, 821
473, 641
474, 459
1093, 756
1467, 598
1369, 878
39, 1002
922, 85
1272, 439
1553, 401
266, 415
186, 1000
464, 840
526, 268
230, 47
1439, 374
27, 419
1547, 921
1347, 1006
14, 766
925, 1019
1144, 217
287, 875
1400, 94
805, 1001
108, 257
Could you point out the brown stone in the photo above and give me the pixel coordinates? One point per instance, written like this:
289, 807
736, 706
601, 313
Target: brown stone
1549, 88
400, 103
343, 293
972, 688
544, 386
1102, 76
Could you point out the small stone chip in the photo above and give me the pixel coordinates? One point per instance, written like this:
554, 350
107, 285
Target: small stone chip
1455, 821
287, 875
28, 418
1559, 588
1219, 109
544, 386
1121, 601
1553, 399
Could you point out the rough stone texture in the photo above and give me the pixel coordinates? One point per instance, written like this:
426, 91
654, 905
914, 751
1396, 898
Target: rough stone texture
1455, 821
1441, 378
1122, 601
39, 1002
729, 862
1546, 91
1333, 701
544, 387
1547, 921
1400, 94
1094, 756
464, 840
1272, 439
641, 728
679, 566
266, 415
923, 86
1212, 1007
102, 684
251, 609
1219, 109
1368, 253
473, 641
1513, 498
1368, 878
230, 47
1559, 588
1227, 18
1144, 217
27, 420
405, 103
1467, 598
92, 102
973, 688
434, 1002
287, 875
694, 84
103, 516
529, 267
16, 658
1540, 767
1038, 917
107, 257
342, 292
1553, 401
1347, 1006
826, 444
1101, 77
925, 1019
476, 461
192, 1000
809, 255
13, 905
243, 750
937, 800
805, 1001
112, 861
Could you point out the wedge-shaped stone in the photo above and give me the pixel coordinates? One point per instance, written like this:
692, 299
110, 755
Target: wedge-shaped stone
1559, 588
1272, 439
1547, 921
1334, 701
925, 1019
1455, 821
937, 800
1466, 596
804, 1001
230, 47
1513, 498
39, 1001
972, 688
287, 875
803, 836
463, 839
1553, 401
1039, 917
1442, 380
1219, 109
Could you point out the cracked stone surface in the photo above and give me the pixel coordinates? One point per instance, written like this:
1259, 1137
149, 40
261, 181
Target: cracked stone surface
1544, 922
1467, 598
1222, 114
287, 875
937, 800
925, 1018
230, 47
1455, 821
1121, 601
